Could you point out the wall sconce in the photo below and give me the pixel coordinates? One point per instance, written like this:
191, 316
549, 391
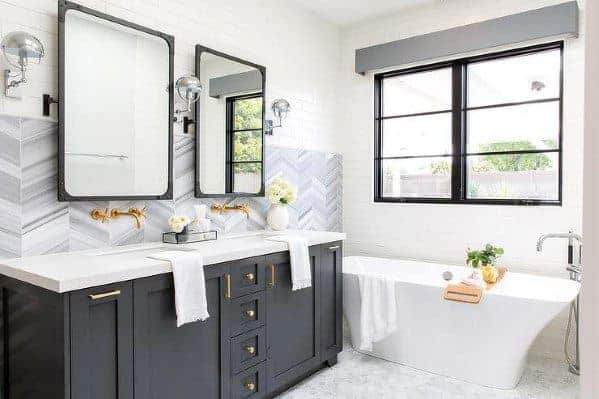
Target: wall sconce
280, 108
189, 89
19, 48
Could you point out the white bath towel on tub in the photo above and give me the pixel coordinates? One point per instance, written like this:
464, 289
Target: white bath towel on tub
299, 255
378, 309
190, 287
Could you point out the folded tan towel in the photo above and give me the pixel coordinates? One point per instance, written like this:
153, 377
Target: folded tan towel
463, 293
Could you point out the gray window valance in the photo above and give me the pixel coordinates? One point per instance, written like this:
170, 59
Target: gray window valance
553, 22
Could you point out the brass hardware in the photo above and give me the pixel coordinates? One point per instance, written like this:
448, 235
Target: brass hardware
93, 297
249, 276
250, 386
217, 208
250, 349
228, 286
271, 283
137, 213
104, 215
250, 313
334, 247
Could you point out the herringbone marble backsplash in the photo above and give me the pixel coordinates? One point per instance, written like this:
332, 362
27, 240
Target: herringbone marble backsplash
33, 222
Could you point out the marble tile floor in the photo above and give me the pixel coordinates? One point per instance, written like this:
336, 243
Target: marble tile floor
358, 376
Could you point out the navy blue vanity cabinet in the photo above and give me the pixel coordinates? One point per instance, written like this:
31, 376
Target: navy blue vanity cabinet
184, 362
331, 301
102, 342
292, 322
121, 341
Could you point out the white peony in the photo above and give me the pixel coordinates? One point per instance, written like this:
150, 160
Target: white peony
281, 191
177, 223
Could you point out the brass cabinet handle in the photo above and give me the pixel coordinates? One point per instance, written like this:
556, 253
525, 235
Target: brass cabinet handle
249, 276
250, 313
250, 349
334, 247
93, 297
250, 386
227, 286
271, 283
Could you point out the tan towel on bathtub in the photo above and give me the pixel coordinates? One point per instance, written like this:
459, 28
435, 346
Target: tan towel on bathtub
378, 309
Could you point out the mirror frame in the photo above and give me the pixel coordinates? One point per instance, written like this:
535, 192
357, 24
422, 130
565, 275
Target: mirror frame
198, 190
63, 7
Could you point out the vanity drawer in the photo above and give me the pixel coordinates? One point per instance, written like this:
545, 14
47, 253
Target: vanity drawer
248, 276
246, 313
248, 350
250, 384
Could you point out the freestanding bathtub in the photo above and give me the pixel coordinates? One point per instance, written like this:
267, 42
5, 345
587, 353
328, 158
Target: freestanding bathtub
486, 343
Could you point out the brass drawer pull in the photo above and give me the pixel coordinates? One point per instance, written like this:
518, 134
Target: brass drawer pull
334, 247
227, 286
271, 283
250, 349
93, 297
250, 313
250, 386
249, 276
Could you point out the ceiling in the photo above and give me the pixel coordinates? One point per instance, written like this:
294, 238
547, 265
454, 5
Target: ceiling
345, 12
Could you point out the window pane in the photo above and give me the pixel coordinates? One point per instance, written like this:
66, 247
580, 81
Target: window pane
247, 177
247, 146
520, 127
248, 113
417, 135
514, 176
513, 79
417, 92
417, 177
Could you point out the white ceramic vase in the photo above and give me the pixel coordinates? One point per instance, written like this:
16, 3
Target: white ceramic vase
278, 217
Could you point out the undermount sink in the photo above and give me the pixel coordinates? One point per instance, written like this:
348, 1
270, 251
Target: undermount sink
138, 251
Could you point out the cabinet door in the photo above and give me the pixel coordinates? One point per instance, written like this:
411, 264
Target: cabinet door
292, 320
171, 362
102, 342
331, 301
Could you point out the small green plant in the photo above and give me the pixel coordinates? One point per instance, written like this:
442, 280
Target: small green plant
486, 256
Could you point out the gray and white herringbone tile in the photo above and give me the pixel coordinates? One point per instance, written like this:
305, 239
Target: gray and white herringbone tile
32, 221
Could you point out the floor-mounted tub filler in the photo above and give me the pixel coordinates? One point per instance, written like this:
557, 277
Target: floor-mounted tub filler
485, 343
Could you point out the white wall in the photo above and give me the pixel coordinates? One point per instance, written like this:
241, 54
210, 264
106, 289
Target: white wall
300, 52
590, 287
444, 232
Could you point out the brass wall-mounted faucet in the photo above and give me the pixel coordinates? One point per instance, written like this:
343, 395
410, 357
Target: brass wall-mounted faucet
218, 208
104, 215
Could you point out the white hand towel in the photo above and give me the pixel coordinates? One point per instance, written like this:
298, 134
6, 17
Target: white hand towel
190, 286
378, 312
299, 254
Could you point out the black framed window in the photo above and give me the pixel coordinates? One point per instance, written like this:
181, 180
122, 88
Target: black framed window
244, 143
484, 129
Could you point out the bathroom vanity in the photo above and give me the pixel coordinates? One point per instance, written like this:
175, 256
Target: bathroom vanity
102, 324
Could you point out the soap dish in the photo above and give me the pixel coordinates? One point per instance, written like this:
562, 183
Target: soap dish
187, 238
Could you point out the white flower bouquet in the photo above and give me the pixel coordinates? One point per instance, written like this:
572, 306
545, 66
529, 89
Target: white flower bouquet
177, 223
280, 191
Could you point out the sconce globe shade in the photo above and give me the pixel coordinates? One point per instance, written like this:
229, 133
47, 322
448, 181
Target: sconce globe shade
281, 107
189, 88
21, 47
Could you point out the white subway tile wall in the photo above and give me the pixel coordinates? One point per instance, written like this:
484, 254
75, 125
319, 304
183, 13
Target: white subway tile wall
300, 51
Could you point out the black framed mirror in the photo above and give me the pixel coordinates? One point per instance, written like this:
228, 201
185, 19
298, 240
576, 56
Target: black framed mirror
115, 108
229, 126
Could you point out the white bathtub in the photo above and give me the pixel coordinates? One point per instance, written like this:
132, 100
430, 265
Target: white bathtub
485, 343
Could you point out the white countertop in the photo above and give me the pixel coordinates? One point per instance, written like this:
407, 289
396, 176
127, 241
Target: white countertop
71, 271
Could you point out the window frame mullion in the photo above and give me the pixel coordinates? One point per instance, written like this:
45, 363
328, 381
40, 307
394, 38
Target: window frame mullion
457, 129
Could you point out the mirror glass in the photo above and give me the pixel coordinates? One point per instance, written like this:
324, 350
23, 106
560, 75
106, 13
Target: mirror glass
117, 109
231, 118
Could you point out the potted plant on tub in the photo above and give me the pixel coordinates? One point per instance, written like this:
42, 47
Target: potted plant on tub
485, 258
